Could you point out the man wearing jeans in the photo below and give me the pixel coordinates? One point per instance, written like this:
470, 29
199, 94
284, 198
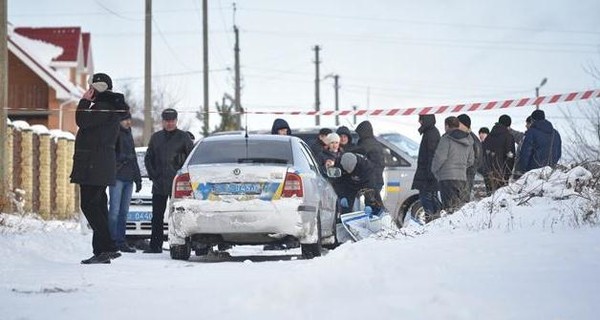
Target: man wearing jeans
128, 172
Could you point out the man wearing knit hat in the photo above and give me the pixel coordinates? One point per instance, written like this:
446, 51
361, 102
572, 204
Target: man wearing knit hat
361, 173
542, 145
465, 125
498, 155
94, 162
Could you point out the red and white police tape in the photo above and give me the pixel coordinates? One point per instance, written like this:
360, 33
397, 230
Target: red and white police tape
512, 103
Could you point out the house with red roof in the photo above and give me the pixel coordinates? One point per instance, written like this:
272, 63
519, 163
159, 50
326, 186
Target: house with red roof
48, 70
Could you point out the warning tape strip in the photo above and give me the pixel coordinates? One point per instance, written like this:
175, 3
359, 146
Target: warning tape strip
512, 103
478, 106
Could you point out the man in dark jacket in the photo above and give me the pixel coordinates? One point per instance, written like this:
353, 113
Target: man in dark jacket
94, 162
359, 172
453, 155
498, 155
369, 147
166, 153
465, 125
542, 144
424, 180
128, 173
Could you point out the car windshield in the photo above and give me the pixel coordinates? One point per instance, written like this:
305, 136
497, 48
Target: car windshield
242, 151
403, 143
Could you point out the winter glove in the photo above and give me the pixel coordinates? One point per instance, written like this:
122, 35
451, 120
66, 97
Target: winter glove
138, 186
369, 211
344, 203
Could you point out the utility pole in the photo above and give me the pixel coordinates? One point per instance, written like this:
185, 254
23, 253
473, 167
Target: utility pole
3, 101
336, 86
238, 102
205, 128
354, 115
317, 79
537, 91
148, 121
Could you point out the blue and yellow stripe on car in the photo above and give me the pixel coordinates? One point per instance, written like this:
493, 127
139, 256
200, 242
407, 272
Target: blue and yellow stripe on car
393, 186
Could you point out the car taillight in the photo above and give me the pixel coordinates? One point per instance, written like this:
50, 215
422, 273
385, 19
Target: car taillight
182, 185
292, 186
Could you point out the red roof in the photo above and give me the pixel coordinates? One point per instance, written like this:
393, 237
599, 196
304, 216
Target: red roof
67, 38
86, 47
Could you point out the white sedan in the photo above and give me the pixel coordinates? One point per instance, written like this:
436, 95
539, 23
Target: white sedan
256, 189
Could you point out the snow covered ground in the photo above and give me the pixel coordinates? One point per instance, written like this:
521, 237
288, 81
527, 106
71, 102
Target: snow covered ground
531, 251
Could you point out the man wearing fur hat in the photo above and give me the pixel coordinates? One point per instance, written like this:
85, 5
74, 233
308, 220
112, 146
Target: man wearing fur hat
94, 162
542, 144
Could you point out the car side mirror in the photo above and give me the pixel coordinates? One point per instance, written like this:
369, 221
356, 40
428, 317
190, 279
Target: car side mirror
334, 172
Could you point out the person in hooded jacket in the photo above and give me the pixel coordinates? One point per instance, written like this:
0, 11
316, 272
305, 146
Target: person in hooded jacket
369, 147
94, 162
128, 173
166, 153
424, 180
280, 126
498, 155
453, 155
345, 138
542, 144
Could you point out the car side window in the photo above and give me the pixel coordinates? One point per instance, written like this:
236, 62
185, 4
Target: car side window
392, 159
309, 157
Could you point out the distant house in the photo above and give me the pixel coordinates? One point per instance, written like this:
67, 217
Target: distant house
47, 72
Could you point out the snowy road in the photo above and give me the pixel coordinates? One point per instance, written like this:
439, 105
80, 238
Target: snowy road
491, 275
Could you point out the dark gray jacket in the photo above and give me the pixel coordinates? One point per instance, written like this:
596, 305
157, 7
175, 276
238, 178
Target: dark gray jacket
167, 150
424, 178
454, 154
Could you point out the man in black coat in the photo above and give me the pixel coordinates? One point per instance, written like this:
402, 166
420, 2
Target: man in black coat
424, 181
498, 155
94, 163
166, 153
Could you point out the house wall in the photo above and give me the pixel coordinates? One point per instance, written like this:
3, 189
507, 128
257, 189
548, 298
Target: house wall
27, 93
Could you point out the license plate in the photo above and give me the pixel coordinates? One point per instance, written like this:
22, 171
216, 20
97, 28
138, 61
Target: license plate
237, 188
139, 216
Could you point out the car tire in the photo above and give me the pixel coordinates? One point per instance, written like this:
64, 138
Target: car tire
181, 251
311, 250
417, 212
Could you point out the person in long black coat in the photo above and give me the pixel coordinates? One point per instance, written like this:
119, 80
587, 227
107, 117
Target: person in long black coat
424, 180
166, 153
94, 162
498, 155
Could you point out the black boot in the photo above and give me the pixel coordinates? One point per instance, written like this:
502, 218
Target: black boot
101, 258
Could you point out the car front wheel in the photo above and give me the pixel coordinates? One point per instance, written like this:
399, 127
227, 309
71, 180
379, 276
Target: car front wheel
181, 251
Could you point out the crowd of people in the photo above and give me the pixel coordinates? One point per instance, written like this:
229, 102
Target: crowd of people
446, 165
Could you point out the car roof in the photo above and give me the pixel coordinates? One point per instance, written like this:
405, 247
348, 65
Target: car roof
251, 136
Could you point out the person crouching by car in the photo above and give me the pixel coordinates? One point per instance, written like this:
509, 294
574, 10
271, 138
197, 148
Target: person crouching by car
361, 172
166, 153
94, 162
128, 173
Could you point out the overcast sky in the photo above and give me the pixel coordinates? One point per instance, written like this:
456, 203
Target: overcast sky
388, 54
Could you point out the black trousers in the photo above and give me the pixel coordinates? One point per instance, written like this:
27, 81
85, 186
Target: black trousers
159, 205
94, 204
453, 194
